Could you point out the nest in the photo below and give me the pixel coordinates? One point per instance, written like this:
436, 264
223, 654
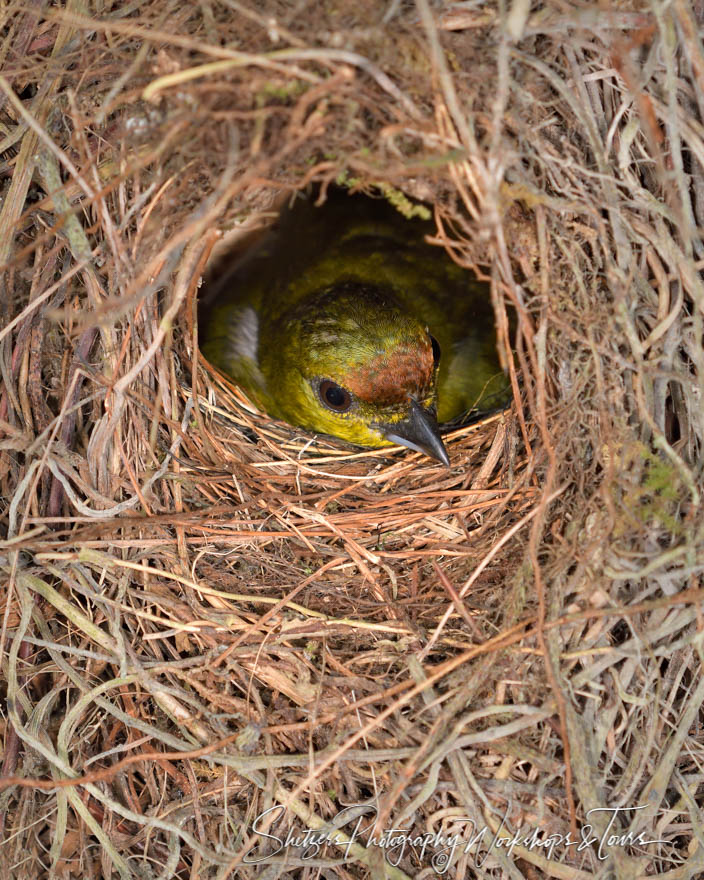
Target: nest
217, 629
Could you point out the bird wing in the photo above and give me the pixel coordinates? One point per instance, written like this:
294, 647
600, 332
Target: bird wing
234, 348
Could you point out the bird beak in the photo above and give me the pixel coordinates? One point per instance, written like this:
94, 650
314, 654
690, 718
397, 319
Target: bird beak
420, 432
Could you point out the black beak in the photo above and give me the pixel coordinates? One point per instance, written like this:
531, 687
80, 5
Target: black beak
420, 432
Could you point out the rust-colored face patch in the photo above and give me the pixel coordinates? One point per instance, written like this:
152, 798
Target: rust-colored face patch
392, 375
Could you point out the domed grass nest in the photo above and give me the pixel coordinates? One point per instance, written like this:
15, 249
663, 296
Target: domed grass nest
216, 628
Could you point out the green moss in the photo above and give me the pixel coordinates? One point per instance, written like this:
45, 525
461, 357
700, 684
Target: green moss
345, 179
650, 490
403, 204
281, 91
393, 196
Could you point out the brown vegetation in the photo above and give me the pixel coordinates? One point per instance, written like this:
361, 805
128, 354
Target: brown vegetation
206, 614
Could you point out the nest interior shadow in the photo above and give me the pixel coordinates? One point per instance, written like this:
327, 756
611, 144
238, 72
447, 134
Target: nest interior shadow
208, 614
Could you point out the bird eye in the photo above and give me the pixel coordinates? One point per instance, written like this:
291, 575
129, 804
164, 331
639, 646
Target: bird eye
436, 350
334, 396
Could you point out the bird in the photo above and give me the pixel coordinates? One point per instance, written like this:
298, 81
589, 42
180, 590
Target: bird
344, 321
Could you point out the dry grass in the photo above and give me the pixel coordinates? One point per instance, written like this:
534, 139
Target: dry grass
207, 615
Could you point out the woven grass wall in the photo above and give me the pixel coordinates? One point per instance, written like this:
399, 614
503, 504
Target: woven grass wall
208, 615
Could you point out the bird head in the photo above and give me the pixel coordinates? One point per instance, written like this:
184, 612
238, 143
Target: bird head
350, 362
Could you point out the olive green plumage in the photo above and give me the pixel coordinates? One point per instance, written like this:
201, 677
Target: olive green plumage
334, 323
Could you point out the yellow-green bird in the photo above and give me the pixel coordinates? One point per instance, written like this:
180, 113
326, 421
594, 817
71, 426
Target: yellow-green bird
345, 322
